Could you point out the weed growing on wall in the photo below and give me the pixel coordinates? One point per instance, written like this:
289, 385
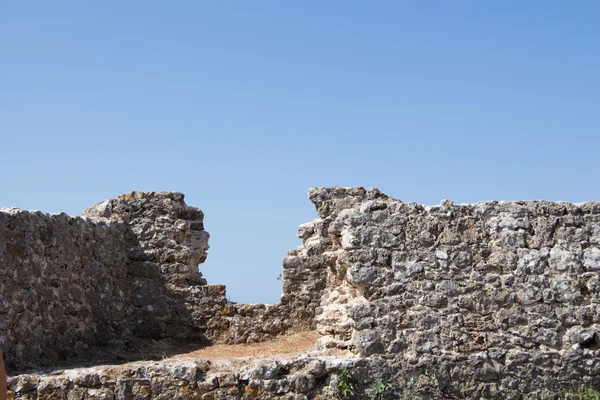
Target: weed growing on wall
380, 390
282, 369
581, 394
345, 385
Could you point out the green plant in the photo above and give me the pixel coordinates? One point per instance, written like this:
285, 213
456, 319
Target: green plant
581, 394
380, 390
345, 384
282, 369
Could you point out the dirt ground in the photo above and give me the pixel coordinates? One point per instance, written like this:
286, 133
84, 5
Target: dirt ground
155, 350
284, 345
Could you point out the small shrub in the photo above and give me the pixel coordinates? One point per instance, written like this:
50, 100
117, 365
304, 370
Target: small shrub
581, 394
345, 385
282, 369
380, 390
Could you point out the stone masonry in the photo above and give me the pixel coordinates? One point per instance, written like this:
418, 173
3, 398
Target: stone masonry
70, 284
496, 300
492, 298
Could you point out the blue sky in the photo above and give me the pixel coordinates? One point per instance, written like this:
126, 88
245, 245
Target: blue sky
245, 105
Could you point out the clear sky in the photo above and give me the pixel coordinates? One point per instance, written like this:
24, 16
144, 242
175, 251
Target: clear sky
244, 105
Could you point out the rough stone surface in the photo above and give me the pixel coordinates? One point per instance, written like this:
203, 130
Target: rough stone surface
306, 377
60, 277
170, 234
496, 300
73, 283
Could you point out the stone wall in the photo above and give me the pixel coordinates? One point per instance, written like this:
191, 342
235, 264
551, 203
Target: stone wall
302, 379
72, 284
126, 269
491, 298
59, 278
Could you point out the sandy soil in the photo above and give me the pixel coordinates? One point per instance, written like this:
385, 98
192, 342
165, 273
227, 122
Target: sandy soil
171, 349
282, 346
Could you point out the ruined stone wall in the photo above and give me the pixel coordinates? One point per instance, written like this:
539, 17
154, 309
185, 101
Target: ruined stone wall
59, 278
126, 269
491, 298
71, 284
170, 242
